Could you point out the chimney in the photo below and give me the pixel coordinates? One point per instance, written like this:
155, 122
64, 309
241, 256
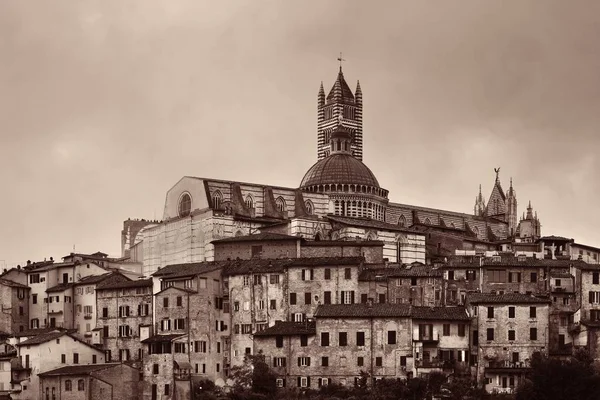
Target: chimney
28, 262
51, 258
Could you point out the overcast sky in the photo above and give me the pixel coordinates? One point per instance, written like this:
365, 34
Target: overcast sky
104, 105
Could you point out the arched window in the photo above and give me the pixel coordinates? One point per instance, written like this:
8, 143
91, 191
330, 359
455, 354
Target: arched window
476, 230
402, 221
217, 199
318, 236
249, 202
68, 385
280, 203
427, 221
185, 205
309, 207
81, 385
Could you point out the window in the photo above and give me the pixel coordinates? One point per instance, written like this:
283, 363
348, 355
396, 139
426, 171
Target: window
278, 341
490, 334
343, 339
185, 205
533, 277
471, 275
532, 333
475, 337
378, 361
360, 338
75, 358
446, 329
511, 312
180, 348
496, 275
348, 273
280, 204
272, 304
179, 301
256, 251
490, 312
165, 302
594, 297
325, 361
461, 330
123, 311
249, 202
94, 359
309, 207
391, 337
81, 385
246, 328
200, 346
63, 358
307, 298
303, 340
34, 298
511, 334
450, 275
261, 304
124, 331
155, 369
347, 297
167, 389
596, 278
68, 385
307, 275
558, 282
274, 279
304, 361
327, 297
293, 299
324, 339
532, 312
279, 361
327, 274
360, 361
236, 306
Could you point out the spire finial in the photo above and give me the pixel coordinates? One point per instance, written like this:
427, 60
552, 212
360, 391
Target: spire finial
511, 182
340, 59
497, 171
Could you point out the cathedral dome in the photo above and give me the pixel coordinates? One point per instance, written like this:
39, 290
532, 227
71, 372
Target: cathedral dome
339, 168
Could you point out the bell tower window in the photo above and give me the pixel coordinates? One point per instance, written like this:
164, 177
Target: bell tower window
185, 205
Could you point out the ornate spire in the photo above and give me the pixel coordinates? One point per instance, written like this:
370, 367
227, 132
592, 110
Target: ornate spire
321, 96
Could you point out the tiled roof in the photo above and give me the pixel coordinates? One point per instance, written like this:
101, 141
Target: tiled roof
585, 246
258, 237
10, 283
125, 284
560, 275
51, 265
288, 328
92, 279
323, 243
60, 287
256, 265
42, 338
369, 223
78, 369
322, 261
510, 260
190, 269
162, 338
506, 298
362, 310
37, 264
440, 313
557, 238
398, 271
176, 288
36, 332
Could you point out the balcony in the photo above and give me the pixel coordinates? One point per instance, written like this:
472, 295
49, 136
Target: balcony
433, 363
507, 366
427, 338
87, 316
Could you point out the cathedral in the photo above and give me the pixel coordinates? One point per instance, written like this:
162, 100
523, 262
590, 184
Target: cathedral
339, 198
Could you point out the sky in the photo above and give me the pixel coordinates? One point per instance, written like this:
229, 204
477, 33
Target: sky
105, 105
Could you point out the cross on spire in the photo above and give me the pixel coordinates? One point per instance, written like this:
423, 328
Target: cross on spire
340, 59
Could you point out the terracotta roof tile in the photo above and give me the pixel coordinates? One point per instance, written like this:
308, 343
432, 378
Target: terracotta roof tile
440, 313
162, 338
60, 287
42, 338
287, 328
363, 311
78, 369
190, 269
265, 236
370, 223
506, 298
124, 284
398, 271
9, 283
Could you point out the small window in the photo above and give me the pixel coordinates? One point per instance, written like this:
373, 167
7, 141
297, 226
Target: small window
292, 299
343, 339
360, 361
325, 361
348, 273
391, 337
490, 334
533, 334
378, 361
511, 335
511, 312
324, 339
490, 312
446, 329
532, 312
81, 385
303, 340
360, 338
278, 341
68, 385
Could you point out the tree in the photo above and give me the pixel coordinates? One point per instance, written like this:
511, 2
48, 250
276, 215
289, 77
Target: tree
254, 375
552, 379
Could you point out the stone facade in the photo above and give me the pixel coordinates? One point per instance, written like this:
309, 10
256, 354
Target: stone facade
15, 306
122, 308
510, 329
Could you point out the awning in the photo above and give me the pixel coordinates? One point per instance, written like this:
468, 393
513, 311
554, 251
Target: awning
181, 365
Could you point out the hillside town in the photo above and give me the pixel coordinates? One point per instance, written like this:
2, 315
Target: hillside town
330, 281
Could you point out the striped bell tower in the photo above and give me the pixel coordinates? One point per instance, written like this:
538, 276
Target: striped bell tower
342, 108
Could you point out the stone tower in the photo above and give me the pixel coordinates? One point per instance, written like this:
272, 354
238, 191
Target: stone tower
479, 208
340, 107
511, 210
